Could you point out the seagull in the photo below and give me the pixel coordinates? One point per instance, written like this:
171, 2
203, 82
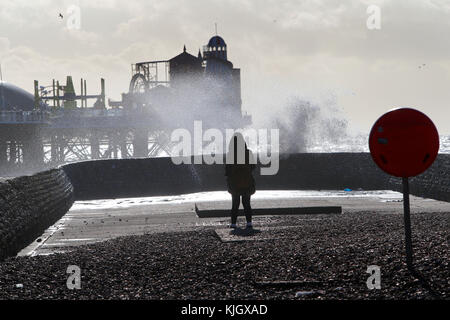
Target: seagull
61, 16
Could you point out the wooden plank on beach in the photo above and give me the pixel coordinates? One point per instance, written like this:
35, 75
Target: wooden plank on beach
218, 213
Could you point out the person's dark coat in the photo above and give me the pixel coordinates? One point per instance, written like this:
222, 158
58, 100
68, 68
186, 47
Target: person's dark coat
240, 180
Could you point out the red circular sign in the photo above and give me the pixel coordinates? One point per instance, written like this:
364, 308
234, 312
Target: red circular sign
404, 142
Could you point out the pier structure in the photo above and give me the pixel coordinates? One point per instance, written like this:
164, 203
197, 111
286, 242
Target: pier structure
56, 125
62, 128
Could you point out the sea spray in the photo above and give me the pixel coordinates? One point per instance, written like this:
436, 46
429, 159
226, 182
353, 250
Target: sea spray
303, 124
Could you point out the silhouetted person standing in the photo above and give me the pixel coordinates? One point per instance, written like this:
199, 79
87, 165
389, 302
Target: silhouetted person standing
238, 169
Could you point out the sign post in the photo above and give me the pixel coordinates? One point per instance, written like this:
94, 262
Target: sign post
404, 142
407, 219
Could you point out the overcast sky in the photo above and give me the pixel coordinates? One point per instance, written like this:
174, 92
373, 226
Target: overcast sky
318, 50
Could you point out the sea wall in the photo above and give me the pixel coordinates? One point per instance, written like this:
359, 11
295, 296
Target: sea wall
160, 176
333, 171
433, 183
29, 205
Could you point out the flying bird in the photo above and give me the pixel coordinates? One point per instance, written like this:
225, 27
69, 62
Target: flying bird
61, 16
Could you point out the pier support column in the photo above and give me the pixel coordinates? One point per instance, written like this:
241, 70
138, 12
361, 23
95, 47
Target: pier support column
123, 145
112, 138
12, 152
61, 148
53, 149
95, 145
2, 153
140, 143
33, 151
123, 150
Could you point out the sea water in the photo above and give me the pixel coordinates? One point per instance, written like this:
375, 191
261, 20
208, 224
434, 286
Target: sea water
360, 144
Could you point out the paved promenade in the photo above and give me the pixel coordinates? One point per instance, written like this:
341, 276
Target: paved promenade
94, 221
